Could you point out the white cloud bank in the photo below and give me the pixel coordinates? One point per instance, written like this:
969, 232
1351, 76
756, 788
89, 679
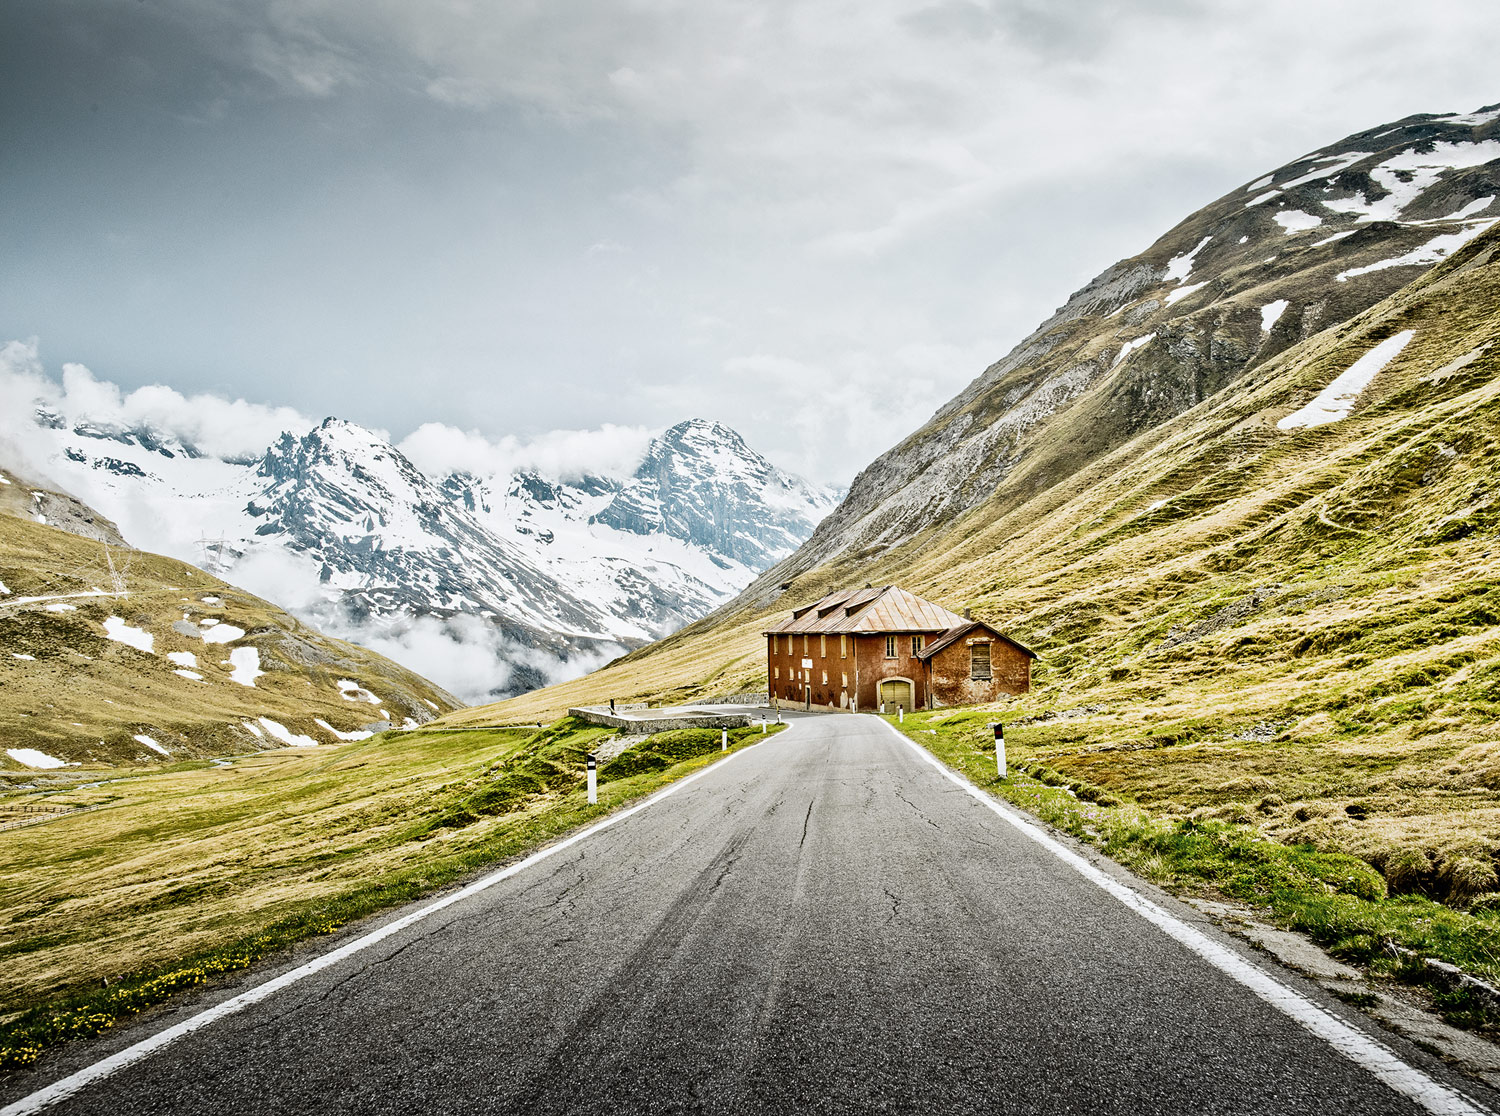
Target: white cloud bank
229, 429
469, 658
612, 451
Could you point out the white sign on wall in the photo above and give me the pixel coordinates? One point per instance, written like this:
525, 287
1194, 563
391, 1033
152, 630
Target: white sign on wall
806, 663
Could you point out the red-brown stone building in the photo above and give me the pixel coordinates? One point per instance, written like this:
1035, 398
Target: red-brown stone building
863, 648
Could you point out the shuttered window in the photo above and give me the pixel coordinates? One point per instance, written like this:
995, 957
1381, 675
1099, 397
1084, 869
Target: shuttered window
979, 661
822, 647
890, 647
777, 673
916, 645
843, 647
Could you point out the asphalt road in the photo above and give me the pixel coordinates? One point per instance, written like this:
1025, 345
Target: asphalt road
822, 924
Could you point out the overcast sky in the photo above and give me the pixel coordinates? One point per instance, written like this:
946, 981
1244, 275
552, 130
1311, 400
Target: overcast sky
815, 221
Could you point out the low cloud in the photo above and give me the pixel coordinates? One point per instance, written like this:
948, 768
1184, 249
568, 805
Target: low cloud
610, 450
229, 429
471, 659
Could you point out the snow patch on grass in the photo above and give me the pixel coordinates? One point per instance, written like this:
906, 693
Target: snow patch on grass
1406, 176
1130, 347
1271, 313
358, 734
221, 633
1336, 400
1180, 267
353, 691
286, 735
246, 662
1182, 292
121, 632
30, 757
1438, 248
182, 658
61, 608
142, 738
20, 655
190, 675
1295, 221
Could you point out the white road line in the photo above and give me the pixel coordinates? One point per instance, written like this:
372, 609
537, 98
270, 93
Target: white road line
75, 1082
1353, 1044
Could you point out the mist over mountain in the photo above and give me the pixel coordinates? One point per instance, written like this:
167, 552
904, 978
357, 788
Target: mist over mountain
490, 582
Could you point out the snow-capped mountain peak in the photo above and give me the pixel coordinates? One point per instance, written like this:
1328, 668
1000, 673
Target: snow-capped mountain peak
555, 568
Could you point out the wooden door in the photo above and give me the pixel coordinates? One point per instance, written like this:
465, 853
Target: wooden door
894, 692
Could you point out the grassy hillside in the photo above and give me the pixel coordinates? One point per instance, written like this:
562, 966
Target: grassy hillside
1293, 630
78, 684
179, 874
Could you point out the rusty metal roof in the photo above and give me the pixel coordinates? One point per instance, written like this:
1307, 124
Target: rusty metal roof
953, 635
887, 609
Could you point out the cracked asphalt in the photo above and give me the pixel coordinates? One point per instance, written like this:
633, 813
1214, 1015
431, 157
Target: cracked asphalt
822, 925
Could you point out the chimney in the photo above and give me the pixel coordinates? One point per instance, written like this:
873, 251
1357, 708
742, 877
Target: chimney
968, 614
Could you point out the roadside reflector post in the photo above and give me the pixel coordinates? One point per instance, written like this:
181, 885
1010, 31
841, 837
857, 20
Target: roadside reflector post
762, 726
593, 779
723, 740
882, 709
901, 714
999, 730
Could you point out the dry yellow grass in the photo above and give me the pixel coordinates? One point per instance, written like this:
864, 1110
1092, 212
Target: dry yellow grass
1338, 587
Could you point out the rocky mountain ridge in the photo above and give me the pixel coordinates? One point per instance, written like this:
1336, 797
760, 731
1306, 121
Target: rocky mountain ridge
1230, 288
559, 571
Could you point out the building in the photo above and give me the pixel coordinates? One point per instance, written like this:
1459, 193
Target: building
863, 648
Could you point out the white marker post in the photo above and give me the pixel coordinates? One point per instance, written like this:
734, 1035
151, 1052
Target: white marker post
901, 714
723, 740
593, 780
762, 726
999, 748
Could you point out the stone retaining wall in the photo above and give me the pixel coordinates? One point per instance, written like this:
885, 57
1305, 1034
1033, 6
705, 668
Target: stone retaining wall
600, 715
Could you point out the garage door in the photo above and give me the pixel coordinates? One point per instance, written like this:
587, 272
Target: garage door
894, 693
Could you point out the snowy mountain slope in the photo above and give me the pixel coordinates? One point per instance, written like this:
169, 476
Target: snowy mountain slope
1295, 252
701, 484
353, 535
1268, 500
112, 655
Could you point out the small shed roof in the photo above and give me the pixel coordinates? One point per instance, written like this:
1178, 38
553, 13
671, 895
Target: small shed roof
953, 635
887, 609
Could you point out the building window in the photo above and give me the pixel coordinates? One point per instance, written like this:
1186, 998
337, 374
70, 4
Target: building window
822, 647
916, 645
846, 681
777, 673
825, 678
979, 661
843, 647
890, 647
805, 640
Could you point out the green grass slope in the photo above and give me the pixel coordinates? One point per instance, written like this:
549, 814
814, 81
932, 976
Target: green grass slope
72, 693
1296, 631
173, 876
